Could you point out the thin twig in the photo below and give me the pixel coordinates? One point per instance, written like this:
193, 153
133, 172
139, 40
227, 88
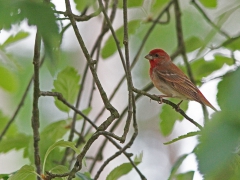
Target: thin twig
52, 176
97, 47
115, 125
35, 110
87, 17
180, 39
113, 34
98, 43
90, 61
106, 134
131, 102
63, 100
82, 17
135, 59
108, 105
128, 72
128, 145
228, 41
161, 21
175, 106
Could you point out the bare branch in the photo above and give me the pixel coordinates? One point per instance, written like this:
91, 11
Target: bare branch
35, 110
113, 34
175, 106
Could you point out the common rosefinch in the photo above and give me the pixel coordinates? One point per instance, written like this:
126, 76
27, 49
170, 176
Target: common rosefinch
171, 81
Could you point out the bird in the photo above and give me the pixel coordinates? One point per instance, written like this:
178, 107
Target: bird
171, 80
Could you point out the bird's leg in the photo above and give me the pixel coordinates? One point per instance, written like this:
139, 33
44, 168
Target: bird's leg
161, 98
177, 109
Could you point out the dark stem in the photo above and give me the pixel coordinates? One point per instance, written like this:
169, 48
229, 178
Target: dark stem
35, 110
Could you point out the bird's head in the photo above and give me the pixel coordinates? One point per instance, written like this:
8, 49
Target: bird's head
157, 56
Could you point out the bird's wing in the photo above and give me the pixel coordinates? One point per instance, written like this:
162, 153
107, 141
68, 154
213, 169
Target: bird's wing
179, 82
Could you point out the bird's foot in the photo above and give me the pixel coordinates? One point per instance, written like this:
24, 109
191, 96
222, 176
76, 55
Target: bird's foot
160, 100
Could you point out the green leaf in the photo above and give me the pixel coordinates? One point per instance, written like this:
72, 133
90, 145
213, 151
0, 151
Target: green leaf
158, 5
220, 136
59, 169
38, 14
131, 4
42, 15
82, 4
193, 43
190, 134
202, 68
67, 83
110, 46
17, 142
9, 82
54, 131
209, 3
4, 176
228, 92
60, 143
123, 169
119, 171
169, 116
217, 143
26, 172
176, 166
10, 13
85, 112
185, 176
81, 176
15, 38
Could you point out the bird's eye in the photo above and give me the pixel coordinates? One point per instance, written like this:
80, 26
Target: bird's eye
156, 55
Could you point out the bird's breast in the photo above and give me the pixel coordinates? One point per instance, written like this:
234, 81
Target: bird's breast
164, 86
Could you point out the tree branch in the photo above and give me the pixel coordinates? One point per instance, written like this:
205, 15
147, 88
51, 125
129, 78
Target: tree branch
61, 98
113, 33
113, 111
35, 110
175, 106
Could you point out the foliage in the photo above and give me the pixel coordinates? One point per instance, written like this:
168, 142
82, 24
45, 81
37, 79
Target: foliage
65, 131
67, 84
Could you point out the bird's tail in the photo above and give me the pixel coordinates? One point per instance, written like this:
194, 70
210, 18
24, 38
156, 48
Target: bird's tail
204, 101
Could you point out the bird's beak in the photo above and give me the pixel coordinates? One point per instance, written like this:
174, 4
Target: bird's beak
149, 57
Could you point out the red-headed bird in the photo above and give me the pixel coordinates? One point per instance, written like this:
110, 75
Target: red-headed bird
171, 81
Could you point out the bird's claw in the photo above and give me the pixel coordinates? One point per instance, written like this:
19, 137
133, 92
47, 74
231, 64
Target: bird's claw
160, 100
